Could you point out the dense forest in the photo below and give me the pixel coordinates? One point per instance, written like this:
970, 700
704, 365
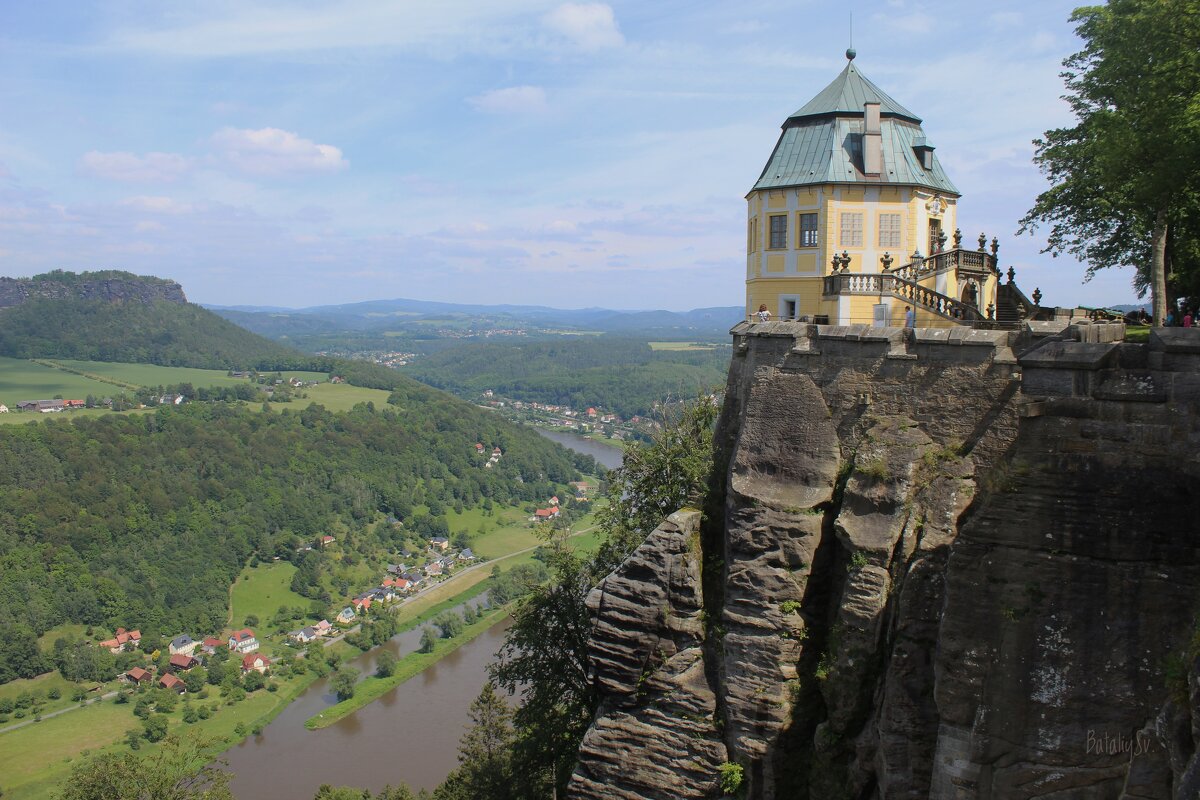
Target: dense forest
622, 375
144, 521
159, 332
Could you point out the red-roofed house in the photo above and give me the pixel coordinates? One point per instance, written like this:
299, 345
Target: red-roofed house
591, 412
554, 500
137, 675
478, 447
182, 663
399, 584
326, 540
243, 641
545, 513
172, 683
124, 640
211, 644
361, 604
255, 662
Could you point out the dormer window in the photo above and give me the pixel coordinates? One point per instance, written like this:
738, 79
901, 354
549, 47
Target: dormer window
924, 151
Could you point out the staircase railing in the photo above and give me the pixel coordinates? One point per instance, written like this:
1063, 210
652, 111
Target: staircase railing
893, 285
971, 262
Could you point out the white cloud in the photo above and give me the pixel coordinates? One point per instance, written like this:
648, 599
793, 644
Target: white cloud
132, 168
156, 204
271, 151
590, 26
513, 100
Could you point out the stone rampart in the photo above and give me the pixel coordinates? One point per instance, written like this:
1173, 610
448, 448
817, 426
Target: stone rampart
956, 564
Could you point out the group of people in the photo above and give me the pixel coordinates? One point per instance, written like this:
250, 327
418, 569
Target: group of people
1189, 318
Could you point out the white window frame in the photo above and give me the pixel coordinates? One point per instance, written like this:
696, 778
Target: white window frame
851, 236
894, 235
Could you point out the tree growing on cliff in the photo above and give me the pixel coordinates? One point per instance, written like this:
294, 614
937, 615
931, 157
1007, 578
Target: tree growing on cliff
656, 479
545, 653
1126, 177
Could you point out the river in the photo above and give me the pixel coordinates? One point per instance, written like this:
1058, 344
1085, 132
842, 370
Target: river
605, 454
409, 735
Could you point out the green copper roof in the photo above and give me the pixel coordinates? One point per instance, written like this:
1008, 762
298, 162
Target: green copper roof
847, 94
822, 142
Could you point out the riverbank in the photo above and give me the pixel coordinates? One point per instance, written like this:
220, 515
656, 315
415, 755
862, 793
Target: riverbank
372, 688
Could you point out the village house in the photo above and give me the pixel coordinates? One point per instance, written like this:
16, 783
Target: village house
172, 684
137, 676
210, 645
554, 500
544, 514
346, 615
243, 641
303, 636
124, 640
323, 628
3, 409
362, 603
433, 569
182, 644
255, 662
440, 542
398, 584
466, 555
326, 540
181, 662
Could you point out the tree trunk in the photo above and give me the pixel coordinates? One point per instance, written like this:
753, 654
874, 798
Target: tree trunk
1158, 271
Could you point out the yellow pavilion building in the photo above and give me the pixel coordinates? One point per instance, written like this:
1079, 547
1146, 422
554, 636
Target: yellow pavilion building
853, 219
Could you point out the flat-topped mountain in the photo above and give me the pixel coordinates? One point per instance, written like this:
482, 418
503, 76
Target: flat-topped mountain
118, 316
111, 286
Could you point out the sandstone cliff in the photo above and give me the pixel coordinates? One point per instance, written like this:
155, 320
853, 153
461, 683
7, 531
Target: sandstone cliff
110, 286
962, 565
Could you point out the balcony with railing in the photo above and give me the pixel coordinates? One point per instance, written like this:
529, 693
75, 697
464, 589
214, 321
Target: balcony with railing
893, 285
970, 263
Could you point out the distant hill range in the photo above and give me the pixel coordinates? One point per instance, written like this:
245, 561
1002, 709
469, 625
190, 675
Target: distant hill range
118, 316
416, 315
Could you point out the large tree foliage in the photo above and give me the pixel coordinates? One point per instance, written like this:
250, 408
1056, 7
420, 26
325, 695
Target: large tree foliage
484, 753
178, 770
1126, 176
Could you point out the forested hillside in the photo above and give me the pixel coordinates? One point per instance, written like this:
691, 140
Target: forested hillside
156, 332
621, 375
144, 521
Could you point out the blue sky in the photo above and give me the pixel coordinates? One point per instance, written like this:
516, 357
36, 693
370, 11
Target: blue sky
567, 154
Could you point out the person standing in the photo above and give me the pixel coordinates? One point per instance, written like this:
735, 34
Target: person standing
910, 317
1187, 318
763, 315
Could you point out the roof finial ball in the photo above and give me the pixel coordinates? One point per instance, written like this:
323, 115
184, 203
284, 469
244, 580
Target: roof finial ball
850, 53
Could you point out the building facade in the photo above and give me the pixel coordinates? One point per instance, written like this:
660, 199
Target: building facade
853, 219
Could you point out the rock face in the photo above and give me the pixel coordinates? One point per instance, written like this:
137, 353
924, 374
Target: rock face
654, 735
109, 286
948, 571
